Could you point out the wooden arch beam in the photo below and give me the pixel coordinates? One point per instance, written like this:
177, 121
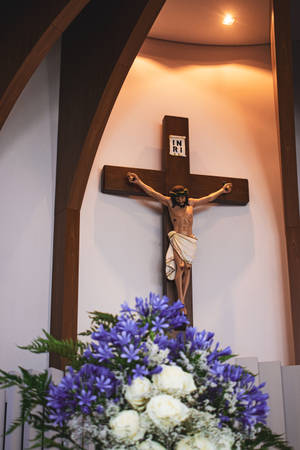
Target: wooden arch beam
28, 29
97, 52
281, 50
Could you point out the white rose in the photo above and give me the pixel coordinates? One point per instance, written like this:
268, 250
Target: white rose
195, 442
138, 392
166, 411
150, 445
126, 425
203, 443
226, 442
173, 380
185, 444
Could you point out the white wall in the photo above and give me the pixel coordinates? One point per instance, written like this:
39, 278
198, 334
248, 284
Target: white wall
239, 276
27, 187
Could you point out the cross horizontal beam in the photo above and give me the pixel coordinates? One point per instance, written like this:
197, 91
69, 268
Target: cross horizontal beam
114, 181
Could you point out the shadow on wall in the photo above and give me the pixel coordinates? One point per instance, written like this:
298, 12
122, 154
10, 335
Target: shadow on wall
127, 241
180, 55
221, 232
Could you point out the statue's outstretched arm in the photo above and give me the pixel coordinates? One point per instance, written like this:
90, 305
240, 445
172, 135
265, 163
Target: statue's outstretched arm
211, 197
135, 179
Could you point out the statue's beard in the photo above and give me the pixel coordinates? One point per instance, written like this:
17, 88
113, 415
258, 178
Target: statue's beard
181, 205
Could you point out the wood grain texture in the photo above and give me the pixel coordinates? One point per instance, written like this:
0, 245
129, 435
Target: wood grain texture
27, 32
64, 306
201, 185
97, 52
99, 47
177, 168
177, 171
284, 98
281, 50
169, 287
293, 253
114, 180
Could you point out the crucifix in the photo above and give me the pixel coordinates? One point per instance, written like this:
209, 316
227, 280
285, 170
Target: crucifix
176, 171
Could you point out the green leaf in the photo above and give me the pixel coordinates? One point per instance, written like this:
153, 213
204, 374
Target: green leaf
225, 358
265, 439
99, 318
66, 348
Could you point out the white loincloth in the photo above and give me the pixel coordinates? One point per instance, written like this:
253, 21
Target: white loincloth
185, 246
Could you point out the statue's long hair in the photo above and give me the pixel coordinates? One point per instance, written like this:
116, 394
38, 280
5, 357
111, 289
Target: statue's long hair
178, 191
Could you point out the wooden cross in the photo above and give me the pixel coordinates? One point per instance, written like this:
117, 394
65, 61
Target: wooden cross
176, 170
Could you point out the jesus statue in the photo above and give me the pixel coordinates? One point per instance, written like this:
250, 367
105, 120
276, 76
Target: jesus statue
183, 243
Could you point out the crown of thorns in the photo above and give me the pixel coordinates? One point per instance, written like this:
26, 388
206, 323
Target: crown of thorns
179, 192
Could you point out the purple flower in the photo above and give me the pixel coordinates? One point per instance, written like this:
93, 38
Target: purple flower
199, 341
128, 325
217, 354
125, 308
162, 341
142, 306
85, 400
81, 391
123, 338
251, 406
157, 369
140, 371
59, 417
158, 324
130, 353
104, 384
101, 334
99, 409
157, 303
69, 381
104, 352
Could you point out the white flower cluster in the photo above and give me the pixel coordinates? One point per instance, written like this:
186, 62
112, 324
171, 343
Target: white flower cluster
199, 441
159, 412
156, 355
171, 380
82, 428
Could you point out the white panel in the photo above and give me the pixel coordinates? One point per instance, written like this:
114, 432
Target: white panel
270, 372
13, 440
56, 375
291, 394
2, 412
250, 364
29, 431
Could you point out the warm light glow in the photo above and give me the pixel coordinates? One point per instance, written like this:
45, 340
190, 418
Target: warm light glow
228, 19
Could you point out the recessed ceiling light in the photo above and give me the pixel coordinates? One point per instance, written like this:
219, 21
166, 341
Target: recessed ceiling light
228, 19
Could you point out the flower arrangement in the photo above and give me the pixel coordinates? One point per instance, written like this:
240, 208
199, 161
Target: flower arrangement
140, 385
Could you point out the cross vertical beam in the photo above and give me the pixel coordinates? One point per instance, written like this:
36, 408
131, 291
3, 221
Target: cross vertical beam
177, 171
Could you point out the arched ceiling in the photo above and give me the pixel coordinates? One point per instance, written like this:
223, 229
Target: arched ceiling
200, 22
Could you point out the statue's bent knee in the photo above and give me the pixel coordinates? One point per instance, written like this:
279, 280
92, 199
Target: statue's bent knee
181, 265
